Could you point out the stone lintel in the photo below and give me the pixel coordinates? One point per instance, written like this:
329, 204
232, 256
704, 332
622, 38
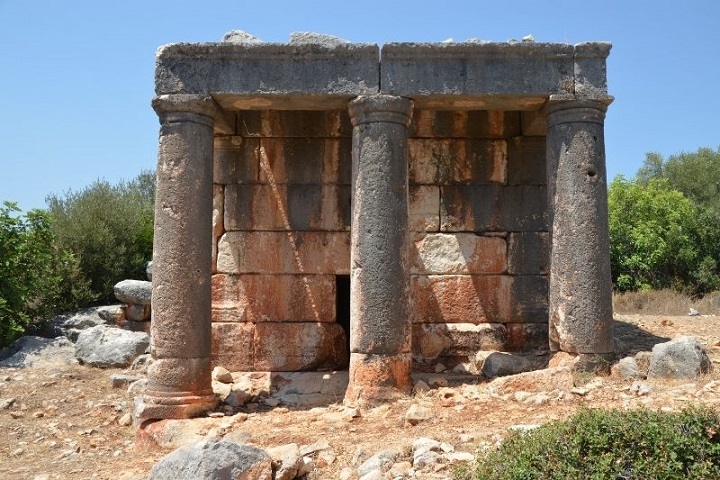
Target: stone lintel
342, 71
431, 73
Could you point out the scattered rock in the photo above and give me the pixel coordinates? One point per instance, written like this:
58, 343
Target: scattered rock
137, 292
111, 314
381, 461
6, 403
286, 460
122, 380
210, 460
538, 381
421, 387
693, 313
493, 364
33, 351
416, 414
683, 357
221, 374
105, 346
626, 368
641, 388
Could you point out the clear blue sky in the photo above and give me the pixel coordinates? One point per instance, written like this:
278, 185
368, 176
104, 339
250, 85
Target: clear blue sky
77, 76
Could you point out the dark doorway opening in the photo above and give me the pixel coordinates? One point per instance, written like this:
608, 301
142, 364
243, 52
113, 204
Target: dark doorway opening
342, 306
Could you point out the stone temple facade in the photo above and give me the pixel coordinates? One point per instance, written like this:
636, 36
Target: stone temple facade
328, 205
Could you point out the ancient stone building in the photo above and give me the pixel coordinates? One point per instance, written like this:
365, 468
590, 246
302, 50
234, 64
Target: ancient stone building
325, 205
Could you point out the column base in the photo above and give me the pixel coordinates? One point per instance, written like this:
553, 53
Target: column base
583, 362
180, 406
375, 378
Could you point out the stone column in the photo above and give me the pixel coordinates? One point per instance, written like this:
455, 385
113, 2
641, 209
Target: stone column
380, 328
580, 297
179, 384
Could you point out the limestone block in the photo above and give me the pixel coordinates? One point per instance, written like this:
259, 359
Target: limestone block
338, 72
464, 124
235, 160
532, 123
273, 298
294, 123
681, 358
232, 346
424, 208
480, 208
299, 346
439, 74
287, 207
528, 253
470, 299
590, 69
442, 253
528, 336
457, 161
137, 313
133, 292
285, 252
306, 160
432, 340
526, 161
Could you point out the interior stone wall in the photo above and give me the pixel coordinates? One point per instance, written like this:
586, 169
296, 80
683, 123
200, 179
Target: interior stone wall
478, 237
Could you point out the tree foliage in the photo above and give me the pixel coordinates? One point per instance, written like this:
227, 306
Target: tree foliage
665, 224
109, 228
37, 278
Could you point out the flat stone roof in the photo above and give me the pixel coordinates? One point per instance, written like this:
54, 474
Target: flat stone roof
472, 75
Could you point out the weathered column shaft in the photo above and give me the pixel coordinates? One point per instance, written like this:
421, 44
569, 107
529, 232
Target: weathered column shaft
580, 298
380, 328
179, 383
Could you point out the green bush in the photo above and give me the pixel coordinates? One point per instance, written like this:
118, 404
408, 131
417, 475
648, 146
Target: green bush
37, 278
109, 228
597, 444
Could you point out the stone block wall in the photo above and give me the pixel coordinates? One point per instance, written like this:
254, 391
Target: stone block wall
478, 237
480, 244
281, 230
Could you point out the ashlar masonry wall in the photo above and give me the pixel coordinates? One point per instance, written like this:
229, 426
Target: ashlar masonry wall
282, 237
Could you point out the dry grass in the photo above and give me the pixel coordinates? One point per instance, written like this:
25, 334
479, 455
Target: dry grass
664, 302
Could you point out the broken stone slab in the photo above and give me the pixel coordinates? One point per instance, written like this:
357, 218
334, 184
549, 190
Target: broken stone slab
681, 358
549, 379
121, 380
240, 37
31, 351
104, 346
286, 460
381, 461
138, 292
214, 461
493, 364
313, 38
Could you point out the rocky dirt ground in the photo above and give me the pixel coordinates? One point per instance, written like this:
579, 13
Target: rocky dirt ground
65, 421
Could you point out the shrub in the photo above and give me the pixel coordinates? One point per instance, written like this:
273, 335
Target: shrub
36, 276
597, 444
109, 228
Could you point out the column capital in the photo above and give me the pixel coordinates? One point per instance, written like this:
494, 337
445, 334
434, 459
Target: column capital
570, 109
170, 107
380, 108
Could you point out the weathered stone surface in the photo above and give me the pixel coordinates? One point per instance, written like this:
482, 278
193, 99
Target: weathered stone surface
526, 161
439, 253
111, 314
182, 258
32, 351
590, 70
683, 357
137, 313
299, 346
481, 208
478, 299
471, 74
286, 461
301, 298
532, 123
133, 291
580, 289
297, 73
283, 252
547, 380
240, 37
236, 159
528, 336
627, 368
305, 160
431, 341
424, 208
381, 461
214, 461
493, 364
457, 161
464, 124
295, 207
105, 346
528, 253
297, 123
374, 378
233, 346
314, 38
